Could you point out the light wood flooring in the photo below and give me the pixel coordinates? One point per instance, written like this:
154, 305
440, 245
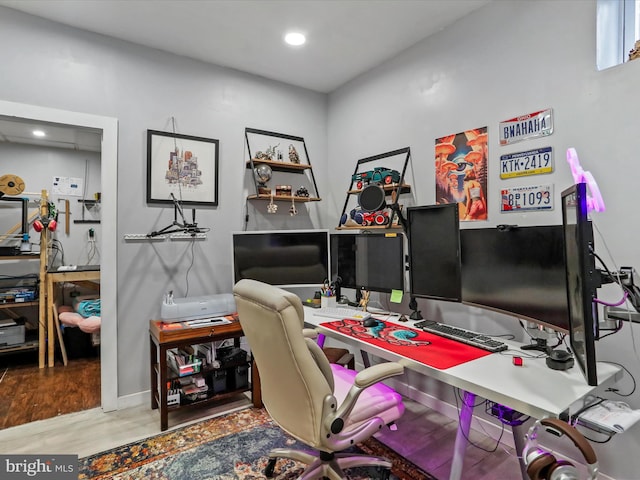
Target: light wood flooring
424, 436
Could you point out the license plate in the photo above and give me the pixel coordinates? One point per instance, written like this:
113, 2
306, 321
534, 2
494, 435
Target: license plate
519, 199
531, 125
522, 164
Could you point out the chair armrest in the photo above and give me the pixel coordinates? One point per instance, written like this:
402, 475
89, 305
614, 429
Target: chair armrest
309, 333
365, 378
377, 373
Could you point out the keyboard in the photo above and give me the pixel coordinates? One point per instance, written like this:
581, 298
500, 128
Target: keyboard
342, 313
461, 335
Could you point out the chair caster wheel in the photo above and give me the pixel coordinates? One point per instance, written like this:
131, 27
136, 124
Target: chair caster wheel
384, 473
268, 470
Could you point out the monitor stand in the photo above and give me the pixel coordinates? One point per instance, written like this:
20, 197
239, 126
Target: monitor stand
415, 314
540, 345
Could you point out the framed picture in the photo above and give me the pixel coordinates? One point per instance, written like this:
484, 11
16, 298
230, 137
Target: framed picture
184, 165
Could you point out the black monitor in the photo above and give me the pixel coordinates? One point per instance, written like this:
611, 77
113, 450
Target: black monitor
370, 261
518, 271
286, 258
582, 279
434, 251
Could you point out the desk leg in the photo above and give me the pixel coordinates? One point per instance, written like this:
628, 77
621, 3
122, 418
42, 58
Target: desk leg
466, 414
365, 359
519, 442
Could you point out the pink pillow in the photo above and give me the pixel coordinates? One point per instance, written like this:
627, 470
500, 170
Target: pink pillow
90, 324
70, 318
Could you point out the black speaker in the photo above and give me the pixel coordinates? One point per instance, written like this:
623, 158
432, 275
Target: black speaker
372, 198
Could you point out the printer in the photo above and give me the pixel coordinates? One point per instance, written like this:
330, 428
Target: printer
193, 308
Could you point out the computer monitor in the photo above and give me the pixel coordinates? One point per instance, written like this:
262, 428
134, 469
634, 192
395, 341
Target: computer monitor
370, 261
434, 252
582, 279
286, 258
518, 271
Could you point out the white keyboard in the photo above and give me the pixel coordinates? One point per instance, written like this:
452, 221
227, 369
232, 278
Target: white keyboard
341, 313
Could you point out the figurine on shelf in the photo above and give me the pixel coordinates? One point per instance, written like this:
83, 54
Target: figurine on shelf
272, 207
293, 154
293, 210
268, 155
302, 192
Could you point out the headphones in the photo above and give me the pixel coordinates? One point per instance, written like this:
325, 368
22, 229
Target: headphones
49, 221
42, 223
542, 465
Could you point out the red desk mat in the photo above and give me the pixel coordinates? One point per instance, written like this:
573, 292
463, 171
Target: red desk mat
423, 347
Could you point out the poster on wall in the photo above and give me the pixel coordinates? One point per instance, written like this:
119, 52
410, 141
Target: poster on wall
530, 125
461, 172
532, 197
184, 166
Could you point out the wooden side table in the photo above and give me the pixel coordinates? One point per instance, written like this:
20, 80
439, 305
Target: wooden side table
180, 335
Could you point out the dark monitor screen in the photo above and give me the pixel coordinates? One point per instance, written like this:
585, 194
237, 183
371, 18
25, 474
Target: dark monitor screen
373, 261
286, 258
434, 252
518, 271
582, 279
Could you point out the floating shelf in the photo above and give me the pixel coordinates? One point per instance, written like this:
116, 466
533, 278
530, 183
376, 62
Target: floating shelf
371, 227
404, 188
283, 198
281, 166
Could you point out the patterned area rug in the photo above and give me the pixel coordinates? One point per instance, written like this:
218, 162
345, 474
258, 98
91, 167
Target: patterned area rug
234, 446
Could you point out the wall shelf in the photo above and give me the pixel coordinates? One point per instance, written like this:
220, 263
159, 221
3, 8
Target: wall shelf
282, 198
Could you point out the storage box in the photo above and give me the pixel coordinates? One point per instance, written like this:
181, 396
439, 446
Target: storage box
11, 335
219, 381
241, 376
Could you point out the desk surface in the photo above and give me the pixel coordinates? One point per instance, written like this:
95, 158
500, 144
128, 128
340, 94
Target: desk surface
532, 389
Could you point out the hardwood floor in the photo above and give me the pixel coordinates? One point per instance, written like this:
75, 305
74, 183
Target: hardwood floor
29, 393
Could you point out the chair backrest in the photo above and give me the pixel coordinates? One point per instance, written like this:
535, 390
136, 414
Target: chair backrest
295, 377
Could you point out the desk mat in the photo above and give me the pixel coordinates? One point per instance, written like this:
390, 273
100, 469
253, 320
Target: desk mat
423, 347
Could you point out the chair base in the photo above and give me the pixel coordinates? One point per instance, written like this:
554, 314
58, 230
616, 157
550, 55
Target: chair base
327, 465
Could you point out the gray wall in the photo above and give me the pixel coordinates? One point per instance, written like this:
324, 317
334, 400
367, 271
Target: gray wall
59, 67
508, 59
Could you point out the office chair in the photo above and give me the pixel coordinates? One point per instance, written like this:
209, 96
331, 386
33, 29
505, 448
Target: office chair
327, 407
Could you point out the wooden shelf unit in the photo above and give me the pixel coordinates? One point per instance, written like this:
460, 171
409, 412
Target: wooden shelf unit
393, 190
280, 166
162, 339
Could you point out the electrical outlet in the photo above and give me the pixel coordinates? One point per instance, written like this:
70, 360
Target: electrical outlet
137, 237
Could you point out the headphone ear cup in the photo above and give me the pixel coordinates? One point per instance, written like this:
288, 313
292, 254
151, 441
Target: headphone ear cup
539, 466
562, 470
38, 226
52, 225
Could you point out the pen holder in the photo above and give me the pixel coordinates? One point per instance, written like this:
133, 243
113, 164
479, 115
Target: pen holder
328, 302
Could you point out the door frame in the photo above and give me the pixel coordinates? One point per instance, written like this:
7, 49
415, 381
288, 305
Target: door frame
108, 218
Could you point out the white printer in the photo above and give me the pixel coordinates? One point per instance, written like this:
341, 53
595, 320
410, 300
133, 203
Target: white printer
193, 308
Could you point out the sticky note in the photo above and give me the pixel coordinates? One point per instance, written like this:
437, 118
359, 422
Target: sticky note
396, 296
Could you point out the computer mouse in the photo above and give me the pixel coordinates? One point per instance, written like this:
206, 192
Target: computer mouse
370, 322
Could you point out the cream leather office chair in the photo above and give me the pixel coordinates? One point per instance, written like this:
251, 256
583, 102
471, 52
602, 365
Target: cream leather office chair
327, 407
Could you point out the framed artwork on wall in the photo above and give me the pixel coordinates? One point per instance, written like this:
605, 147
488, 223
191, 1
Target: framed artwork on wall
182, 165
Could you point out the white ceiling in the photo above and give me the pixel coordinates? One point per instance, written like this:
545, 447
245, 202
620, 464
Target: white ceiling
345, 38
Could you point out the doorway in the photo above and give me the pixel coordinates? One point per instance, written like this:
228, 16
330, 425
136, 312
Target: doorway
108, 272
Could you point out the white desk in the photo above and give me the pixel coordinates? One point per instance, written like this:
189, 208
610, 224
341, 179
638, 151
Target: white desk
533, 389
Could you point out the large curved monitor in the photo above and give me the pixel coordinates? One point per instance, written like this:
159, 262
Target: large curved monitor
517, 270
286, 258
582, 279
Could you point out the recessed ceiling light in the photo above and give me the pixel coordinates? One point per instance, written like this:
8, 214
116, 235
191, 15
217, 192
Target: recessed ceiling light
39, 133
295, 38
